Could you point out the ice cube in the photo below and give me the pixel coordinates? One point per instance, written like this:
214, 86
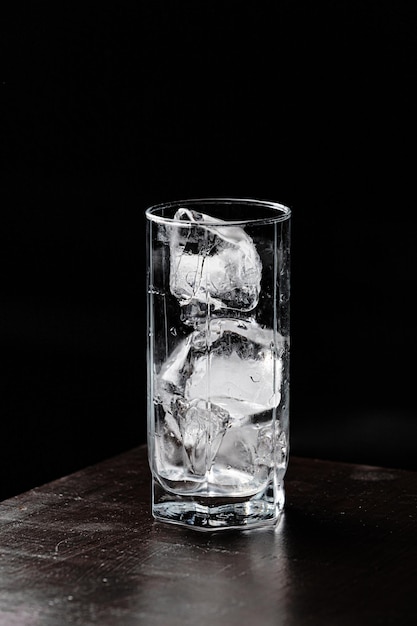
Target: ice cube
240, 372
202, 426
233, 365
213, 265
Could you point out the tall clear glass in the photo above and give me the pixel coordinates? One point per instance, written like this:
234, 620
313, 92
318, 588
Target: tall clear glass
218, 282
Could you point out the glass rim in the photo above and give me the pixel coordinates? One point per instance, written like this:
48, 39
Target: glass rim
283, 212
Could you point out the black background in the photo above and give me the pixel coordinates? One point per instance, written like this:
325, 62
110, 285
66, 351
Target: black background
113, 107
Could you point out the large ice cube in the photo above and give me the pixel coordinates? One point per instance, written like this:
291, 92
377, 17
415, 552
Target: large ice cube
213, 265
234, 365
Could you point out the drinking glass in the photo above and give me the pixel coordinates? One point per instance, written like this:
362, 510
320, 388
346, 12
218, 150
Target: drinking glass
218, 322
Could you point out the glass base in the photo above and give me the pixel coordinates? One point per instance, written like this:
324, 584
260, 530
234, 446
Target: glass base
214, 513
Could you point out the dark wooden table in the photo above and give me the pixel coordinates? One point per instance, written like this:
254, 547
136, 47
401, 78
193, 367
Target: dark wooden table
84, 550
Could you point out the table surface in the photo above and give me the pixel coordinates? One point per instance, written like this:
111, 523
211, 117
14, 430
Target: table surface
85, 550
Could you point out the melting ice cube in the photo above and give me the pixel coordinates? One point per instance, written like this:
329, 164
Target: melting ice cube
202, 427
233, 365
213, 265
